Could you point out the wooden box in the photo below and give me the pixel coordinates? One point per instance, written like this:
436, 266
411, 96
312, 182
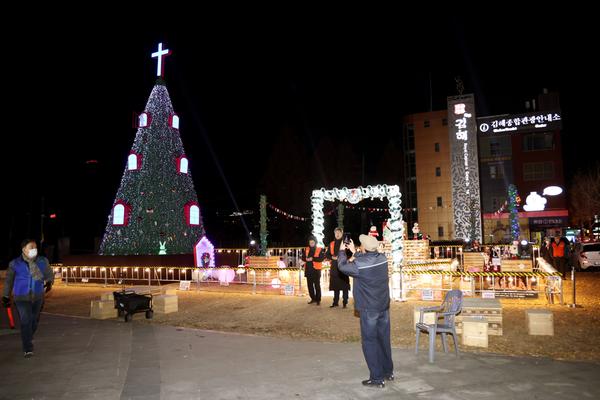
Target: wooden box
428, 318
165, 304
107, 296
490, 309
540, 322
473, 260
516, 266
103, 309
475, 332
415, 250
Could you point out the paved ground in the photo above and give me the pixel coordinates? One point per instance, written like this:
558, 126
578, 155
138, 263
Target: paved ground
78, 358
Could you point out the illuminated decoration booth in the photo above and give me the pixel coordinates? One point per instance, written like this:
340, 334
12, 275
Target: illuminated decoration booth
204, 253
353, 196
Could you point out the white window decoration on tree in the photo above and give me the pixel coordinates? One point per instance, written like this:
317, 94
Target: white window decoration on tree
144, 120
119, 215
183, 165
194, 215
174, 121
132, 162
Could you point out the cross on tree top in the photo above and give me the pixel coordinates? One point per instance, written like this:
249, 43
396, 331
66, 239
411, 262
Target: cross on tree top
160, 67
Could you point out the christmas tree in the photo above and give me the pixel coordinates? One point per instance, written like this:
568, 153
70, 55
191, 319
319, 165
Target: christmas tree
156, 210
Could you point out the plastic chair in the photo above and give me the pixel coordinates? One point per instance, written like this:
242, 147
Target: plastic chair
447, 312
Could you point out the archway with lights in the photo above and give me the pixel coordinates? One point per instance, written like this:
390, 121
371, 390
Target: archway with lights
354, 196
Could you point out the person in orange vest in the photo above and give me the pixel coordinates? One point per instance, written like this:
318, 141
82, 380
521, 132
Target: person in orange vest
337, 280
560, 252
313, 257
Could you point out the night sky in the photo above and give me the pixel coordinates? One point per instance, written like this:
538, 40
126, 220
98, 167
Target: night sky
237, 83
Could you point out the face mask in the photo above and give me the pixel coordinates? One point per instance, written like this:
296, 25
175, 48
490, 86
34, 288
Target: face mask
32, 253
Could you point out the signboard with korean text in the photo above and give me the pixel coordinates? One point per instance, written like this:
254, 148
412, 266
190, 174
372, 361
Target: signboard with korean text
466, 201
534, 121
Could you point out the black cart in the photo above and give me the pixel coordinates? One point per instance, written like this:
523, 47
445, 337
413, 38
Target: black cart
129, 302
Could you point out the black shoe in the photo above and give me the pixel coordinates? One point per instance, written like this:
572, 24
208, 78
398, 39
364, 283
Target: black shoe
334, 305
311, 302
318, 303
389, 377
28, 354
345, 305
372, 383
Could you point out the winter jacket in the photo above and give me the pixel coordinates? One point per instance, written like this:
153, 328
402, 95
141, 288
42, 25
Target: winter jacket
371, 280
20, 282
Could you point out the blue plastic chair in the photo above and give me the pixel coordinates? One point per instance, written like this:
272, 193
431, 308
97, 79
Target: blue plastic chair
444, 322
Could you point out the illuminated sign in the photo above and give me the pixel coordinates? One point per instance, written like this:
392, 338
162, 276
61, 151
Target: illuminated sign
466, 201
535, 202
521, 122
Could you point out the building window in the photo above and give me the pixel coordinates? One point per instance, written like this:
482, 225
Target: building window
445, 121
437, 147
496, 171
440, 231
494, 148
538, 141
426, 123
538, 171
438, 171
439, 201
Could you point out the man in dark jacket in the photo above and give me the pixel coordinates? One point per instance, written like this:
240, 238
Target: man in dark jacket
313, 257
371, 292
337, 280
25, 280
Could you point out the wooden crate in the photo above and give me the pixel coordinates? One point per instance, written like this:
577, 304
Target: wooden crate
103, 309
516, 266
428, 318
165, 304
490, 309
107, 296
415, 250
475, 332
473, 260
540, 322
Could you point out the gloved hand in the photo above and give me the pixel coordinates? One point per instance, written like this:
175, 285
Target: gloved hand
48, 286
6, 301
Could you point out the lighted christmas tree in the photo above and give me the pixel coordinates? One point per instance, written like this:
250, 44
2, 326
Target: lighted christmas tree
156, 210
514, 212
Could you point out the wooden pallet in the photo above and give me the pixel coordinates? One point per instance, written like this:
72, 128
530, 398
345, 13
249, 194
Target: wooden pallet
489, 309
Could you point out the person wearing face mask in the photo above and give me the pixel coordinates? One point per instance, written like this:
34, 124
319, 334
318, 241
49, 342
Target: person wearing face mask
26, 278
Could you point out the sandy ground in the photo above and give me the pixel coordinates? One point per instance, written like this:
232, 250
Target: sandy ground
577, 331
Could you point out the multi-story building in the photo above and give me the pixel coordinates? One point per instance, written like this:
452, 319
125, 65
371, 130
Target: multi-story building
524, 150
427, 183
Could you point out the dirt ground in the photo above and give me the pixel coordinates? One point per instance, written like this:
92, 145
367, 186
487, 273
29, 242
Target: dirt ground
577, 330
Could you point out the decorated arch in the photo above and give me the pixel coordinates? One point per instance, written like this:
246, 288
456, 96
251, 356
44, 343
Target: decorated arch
353, 196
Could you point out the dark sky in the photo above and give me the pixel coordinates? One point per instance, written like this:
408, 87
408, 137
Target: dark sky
236, 82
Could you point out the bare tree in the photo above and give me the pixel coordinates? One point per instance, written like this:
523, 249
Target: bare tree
585, 196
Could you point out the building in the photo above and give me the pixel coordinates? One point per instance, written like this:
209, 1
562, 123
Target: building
525, 150
427, 192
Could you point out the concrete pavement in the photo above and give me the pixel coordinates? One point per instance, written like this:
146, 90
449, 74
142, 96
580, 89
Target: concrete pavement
77, 358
